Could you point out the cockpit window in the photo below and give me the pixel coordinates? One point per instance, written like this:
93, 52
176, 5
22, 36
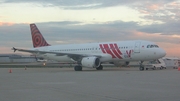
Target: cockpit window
157, 46
152, 46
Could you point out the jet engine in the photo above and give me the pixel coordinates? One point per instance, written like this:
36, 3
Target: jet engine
93, 62
121, 63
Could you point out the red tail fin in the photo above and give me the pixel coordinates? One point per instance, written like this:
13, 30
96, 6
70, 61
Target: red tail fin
37, 38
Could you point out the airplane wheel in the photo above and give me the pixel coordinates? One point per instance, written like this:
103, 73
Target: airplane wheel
154, 68
99, 68
141, 68
146, 68
78, 68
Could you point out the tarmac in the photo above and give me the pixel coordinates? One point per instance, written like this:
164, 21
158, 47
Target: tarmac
111, 84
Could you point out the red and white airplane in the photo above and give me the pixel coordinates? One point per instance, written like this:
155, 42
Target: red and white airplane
92, 55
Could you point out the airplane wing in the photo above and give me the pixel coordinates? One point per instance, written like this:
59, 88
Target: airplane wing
74, 56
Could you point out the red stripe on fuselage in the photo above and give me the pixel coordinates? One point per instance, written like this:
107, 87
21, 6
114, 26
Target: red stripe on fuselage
118, 50
129, 53
108, 50
114, 50
102, 49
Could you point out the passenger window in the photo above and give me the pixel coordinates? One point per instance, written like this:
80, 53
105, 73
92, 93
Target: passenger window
147, 46
151, 46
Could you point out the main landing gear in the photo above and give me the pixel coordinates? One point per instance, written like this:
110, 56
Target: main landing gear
78, 68
99, 68
141, 67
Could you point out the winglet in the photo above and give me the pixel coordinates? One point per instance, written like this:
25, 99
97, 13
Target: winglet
14, 49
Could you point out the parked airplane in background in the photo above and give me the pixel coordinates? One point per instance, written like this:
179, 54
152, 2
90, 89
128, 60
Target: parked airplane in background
92, 55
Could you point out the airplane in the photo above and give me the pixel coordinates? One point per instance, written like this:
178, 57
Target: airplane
92, 55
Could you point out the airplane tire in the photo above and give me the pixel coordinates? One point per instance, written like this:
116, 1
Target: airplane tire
154, 68
78, 68
99, 68
141, 68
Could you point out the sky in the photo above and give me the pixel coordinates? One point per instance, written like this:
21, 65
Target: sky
84, 21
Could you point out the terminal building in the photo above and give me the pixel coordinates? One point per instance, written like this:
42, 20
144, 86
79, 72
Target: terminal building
17, 58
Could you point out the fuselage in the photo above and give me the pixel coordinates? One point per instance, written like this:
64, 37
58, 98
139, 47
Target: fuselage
136, 50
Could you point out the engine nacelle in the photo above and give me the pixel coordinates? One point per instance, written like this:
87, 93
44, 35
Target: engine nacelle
92, 62
121, 63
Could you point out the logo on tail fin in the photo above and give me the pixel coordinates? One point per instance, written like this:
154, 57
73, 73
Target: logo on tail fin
37, 38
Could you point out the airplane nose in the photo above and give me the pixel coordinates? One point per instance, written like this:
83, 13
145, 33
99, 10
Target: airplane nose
162, 52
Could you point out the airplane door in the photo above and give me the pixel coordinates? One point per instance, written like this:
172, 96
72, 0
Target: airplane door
137, 47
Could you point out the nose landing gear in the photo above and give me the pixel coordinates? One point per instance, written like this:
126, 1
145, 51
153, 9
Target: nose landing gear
141, 67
